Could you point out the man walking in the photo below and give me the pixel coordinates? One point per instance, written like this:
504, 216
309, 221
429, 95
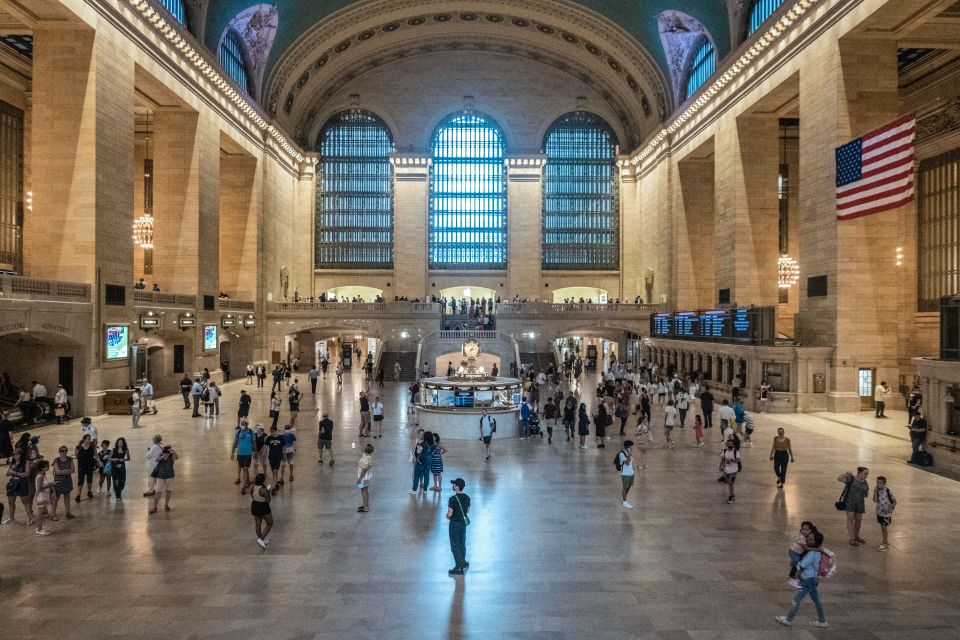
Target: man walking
550, 413
706, 403
313, 375
624, 464
148, 403
325, 439
185, 387
196, 391
457, 509
243, 451
244, 409
364, 415
487, 426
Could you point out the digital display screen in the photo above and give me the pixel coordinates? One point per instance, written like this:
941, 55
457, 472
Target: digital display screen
747, 325
463, 398
118, 342
686, 324
445, 398
209, 337
483, 397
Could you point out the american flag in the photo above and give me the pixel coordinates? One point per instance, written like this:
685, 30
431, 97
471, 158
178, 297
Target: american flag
875, 172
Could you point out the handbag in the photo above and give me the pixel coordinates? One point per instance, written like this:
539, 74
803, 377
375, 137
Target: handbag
13, 485
108, 468
841, 504
466, 518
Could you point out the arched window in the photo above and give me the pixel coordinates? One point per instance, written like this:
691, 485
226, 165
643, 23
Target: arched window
581, 212
760, 10
176, 9
231, 60
354, 220
468, 195
703, 65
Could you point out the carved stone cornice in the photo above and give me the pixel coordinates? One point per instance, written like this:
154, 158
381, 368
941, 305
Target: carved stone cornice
944, 120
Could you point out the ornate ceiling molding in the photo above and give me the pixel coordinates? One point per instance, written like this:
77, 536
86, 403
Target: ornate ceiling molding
581, 39
620, 100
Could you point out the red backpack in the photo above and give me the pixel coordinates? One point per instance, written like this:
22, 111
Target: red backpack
828, 564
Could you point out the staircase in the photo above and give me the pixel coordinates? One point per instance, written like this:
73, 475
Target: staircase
540, 360
408, 364
464, 321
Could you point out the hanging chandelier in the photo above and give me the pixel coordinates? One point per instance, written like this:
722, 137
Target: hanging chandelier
143, 231
788, 271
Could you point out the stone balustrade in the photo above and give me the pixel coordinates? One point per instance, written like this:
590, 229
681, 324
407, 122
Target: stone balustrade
143, 298
354, 309
226, 304
506, 309
21, 288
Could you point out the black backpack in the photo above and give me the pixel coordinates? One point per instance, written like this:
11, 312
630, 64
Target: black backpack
616, 460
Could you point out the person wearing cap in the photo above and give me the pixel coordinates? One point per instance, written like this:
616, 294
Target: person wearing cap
325, 438
87, 429
457, 509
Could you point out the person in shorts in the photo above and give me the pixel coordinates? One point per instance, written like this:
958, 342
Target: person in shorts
325, 438
627, 473
164, 474
260, 509
243, 410
886, 503
487, 425
242, 450
289, 449
729, 467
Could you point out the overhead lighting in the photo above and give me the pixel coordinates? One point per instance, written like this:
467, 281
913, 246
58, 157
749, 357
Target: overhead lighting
143, 231
788, 271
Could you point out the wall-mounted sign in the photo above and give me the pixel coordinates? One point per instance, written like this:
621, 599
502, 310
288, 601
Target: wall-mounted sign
744, 325
228, 322
187, 320
209, 337
118, 342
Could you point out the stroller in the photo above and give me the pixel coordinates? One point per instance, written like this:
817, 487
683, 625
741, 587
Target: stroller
533, 425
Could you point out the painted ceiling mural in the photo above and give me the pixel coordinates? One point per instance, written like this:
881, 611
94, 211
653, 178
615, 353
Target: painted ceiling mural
680, 34
257, 25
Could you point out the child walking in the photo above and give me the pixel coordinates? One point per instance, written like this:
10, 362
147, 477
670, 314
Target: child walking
698, 430
106, 467
436, 463
883, 498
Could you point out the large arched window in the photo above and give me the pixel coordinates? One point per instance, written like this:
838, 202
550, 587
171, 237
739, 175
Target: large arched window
231, 60
176, 9
760, 10
581, 212
702, 66
354, 193
468, 196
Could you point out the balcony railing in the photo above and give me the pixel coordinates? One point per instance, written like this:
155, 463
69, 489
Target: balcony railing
157, 299
21, 288
523, 308
395, 307
226, 304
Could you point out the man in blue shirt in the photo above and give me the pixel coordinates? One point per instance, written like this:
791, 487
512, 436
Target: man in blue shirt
525, 412
313, 375
809, 569
243, 450
196, 391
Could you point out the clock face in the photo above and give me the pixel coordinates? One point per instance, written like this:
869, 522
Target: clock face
471, 349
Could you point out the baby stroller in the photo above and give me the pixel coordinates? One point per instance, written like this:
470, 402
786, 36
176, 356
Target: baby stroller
533, 425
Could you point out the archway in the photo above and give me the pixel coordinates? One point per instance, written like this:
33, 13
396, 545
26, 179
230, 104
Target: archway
349, 293
576, 294
168, 354
468, 292
48, 358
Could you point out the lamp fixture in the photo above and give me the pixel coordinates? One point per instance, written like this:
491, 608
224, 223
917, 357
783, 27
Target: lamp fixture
143, 231
788, 271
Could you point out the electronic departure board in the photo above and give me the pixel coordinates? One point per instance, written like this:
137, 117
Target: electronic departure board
740, 325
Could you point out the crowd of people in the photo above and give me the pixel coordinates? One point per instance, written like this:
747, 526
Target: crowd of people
625, 400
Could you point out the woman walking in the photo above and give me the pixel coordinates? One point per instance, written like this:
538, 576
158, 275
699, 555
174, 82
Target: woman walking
419, 459
600, 425
782, 455
377, 417
164, 474
63, 469
853, 497
260, 509
275, 404
569, 416
119, 458
809, 567
364, 465
583, 425
86, 454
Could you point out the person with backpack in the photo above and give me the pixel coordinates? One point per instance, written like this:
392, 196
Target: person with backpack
624, 464
525, 412
457, 509
729, 467
242, 450
810, 571
488, 425
886, 503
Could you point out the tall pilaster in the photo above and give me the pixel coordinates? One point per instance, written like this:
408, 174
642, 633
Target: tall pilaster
410, 213
524, 204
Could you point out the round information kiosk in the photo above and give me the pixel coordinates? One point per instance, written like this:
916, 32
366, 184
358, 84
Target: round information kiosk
452, 405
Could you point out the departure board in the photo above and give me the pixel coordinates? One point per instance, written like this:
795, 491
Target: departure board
741, 325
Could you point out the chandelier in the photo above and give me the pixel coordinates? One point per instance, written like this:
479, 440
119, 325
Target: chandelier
788, 271
143, 231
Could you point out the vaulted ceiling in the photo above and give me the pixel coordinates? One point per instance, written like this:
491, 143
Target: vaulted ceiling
629, 51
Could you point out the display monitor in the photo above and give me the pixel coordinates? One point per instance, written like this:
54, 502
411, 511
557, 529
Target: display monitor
209, 337
118, 342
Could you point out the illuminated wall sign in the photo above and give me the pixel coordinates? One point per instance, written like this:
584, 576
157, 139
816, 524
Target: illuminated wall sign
149, 322
228, 322
209, 337
118, 342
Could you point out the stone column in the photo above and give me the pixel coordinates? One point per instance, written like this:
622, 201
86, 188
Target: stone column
848, 89
694, 257
631, 275
82, 159
240, 187
524, 237
411, 193
747, 209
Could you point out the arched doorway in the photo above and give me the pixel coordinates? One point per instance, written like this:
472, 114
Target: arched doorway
352, 293
468, 292
45, 357
576, 294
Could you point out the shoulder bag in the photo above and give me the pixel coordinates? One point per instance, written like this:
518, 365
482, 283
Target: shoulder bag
841, 504
466, 518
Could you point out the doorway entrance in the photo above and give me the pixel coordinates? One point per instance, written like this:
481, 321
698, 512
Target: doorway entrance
865, 385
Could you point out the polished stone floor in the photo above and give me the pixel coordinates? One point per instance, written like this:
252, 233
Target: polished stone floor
553, 553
